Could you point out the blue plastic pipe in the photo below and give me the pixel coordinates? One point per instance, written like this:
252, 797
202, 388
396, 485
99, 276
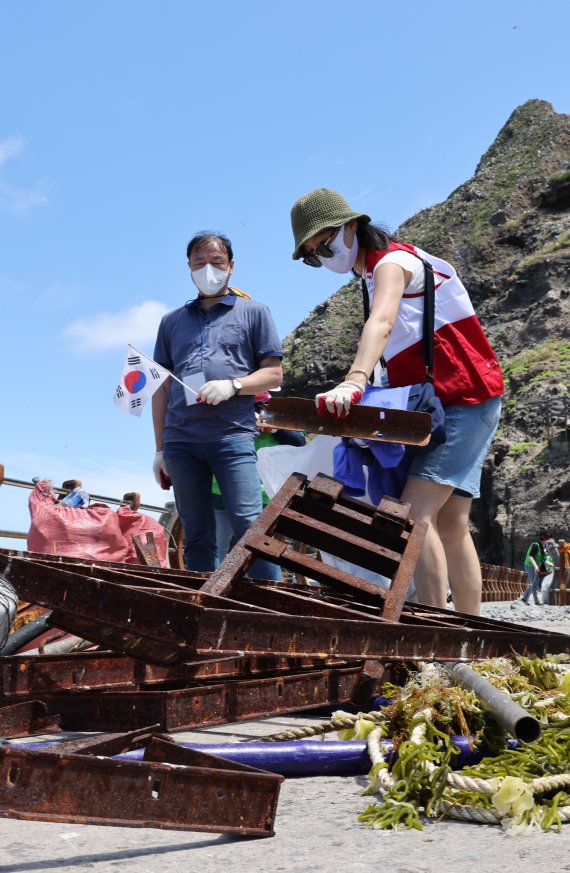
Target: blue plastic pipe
302, 757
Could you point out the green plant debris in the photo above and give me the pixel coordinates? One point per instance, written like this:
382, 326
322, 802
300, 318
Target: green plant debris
424, 715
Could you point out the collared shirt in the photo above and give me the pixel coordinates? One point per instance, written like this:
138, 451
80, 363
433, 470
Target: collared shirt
226, 341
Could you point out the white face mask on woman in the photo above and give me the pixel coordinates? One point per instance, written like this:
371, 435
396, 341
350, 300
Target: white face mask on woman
210, 280
344, 257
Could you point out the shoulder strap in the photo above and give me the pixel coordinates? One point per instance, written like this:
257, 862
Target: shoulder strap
428, 321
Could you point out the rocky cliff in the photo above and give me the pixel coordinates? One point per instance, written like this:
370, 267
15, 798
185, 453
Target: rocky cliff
507, 231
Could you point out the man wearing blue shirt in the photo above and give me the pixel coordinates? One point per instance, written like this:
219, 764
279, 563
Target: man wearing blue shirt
225, 348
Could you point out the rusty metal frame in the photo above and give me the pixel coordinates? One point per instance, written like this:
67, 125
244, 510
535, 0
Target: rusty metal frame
163, 629
200, 792
317, 514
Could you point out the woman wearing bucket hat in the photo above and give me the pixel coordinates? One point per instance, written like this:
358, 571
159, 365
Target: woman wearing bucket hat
466, 376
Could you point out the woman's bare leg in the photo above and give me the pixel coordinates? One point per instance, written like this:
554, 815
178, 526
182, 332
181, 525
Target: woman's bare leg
463, 566
430, 576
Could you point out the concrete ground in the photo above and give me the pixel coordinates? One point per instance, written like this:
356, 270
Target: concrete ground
315, 830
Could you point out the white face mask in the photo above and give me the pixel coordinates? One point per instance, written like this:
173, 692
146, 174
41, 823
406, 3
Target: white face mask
344, 257
210, 280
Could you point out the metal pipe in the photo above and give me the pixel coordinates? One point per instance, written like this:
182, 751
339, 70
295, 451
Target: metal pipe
24, 634
512, 717
20, 483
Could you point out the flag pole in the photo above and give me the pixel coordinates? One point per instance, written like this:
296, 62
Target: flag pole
172, 376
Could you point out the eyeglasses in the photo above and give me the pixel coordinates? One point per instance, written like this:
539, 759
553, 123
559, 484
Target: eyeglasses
323, 250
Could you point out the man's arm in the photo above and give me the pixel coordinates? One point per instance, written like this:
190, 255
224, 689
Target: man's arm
269, 375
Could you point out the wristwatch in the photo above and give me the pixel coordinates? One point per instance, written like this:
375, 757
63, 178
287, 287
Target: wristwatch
237, 386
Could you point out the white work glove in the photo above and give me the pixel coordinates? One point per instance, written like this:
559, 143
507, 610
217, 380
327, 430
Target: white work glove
216, 391
160, 471
338, 400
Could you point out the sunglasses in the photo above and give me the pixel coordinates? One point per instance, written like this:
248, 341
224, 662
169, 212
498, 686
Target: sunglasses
323, 250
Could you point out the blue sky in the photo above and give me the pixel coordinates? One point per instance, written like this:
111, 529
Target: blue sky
127, 126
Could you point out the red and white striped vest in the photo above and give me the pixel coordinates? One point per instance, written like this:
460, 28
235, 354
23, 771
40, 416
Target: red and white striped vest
466, 370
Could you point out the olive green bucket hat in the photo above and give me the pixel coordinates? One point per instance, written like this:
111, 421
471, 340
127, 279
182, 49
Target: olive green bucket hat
317, 210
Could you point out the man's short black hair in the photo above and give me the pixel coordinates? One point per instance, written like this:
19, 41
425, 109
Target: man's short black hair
205, 236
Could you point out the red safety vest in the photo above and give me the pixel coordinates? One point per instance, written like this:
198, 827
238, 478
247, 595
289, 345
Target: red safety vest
466, 370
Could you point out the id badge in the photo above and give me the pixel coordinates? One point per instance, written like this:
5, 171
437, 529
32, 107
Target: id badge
193, 380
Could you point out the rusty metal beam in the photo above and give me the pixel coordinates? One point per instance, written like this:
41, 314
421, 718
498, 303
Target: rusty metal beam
107, 744
202, 795
32, 675
220, 630
203, 705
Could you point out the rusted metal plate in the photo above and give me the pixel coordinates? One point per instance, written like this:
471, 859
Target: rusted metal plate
27, 719
365, 422
81, 789
203, 705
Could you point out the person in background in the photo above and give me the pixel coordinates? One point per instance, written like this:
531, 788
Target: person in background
564, 566
225, 348
551, 563
467, 378
535, 564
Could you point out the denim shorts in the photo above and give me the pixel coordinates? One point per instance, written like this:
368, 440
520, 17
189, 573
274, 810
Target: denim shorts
459, 460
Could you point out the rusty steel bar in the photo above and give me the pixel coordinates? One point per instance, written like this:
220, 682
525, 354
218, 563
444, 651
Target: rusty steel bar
29, 676
203, 705
220, 630
291, 602
82, 789
364, 422
27, 719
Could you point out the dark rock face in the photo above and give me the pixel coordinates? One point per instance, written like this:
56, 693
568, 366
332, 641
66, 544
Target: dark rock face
507, 232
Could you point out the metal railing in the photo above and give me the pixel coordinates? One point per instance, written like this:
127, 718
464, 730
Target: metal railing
131, 499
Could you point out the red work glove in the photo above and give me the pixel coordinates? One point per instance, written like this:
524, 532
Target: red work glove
338, 400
